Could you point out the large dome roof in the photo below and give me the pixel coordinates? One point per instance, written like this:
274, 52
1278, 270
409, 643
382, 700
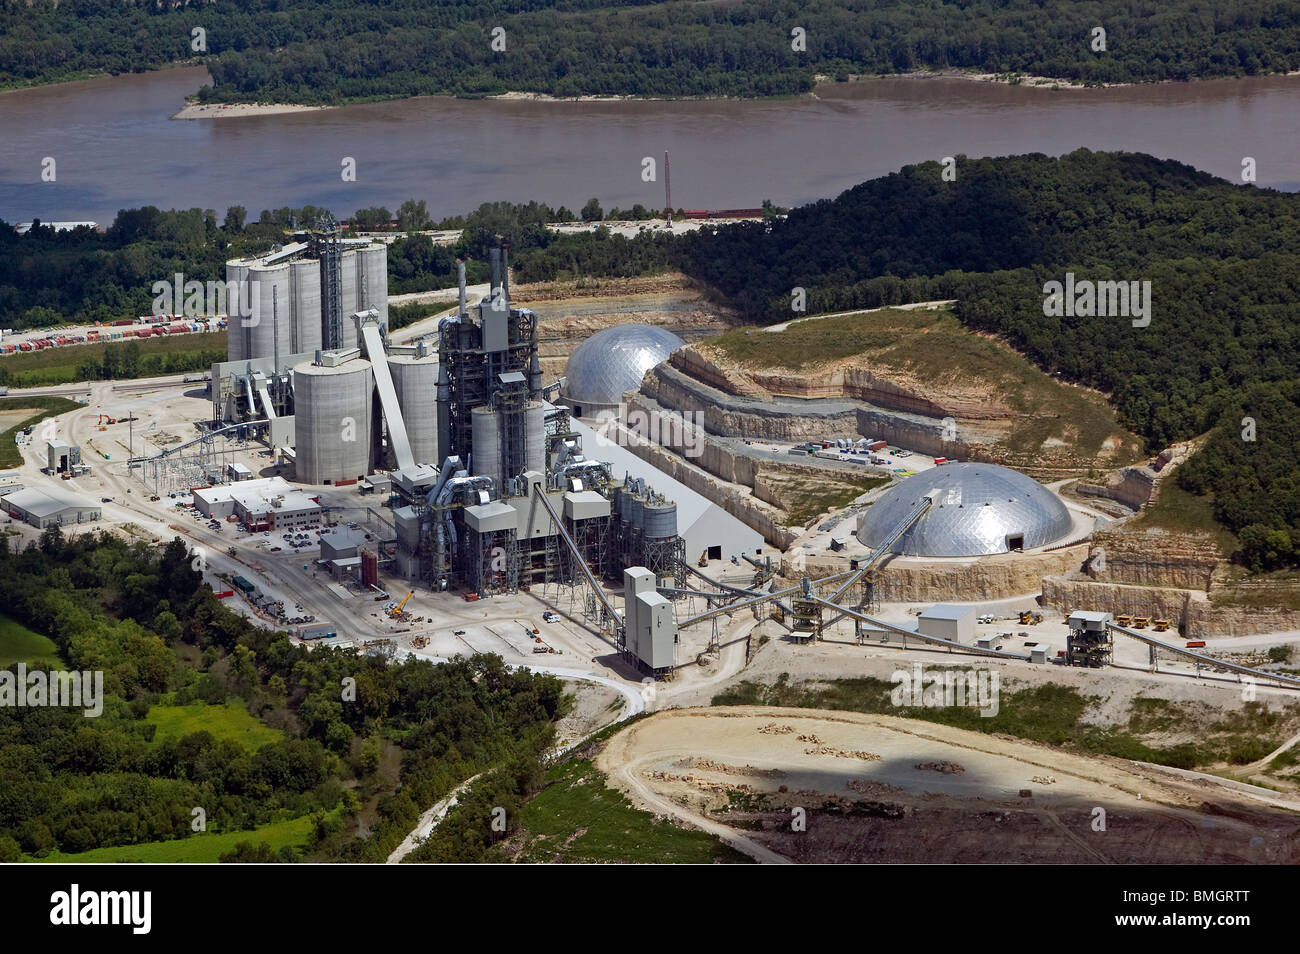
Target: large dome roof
977, 509
615, 360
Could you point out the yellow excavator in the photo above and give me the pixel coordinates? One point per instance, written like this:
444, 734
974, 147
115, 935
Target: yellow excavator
397, 610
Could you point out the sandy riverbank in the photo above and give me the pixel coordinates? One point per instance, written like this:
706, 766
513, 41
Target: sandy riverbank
234, 110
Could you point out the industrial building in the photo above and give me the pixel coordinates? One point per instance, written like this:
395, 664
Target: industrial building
49, 508
64, 458
947, 621
610, 363
976, 510
263, 504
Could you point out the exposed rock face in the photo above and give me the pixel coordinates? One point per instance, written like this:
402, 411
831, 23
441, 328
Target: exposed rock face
1169, 603
1139, 486
1154, 558
703, 363
1190, 610
986, 578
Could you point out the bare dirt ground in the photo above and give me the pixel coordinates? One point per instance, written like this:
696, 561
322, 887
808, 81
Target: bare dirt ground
885, 789
594, 707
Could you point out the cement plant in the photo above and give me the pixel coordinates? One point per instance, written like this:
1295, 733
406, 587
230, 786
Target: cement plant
647, 510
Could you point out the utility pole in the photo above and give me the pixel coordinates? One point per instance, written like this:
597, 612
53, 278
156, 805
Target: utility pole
668, 191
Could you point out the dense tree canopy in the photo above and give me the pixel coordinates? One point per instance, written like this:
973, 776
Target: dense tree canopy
329, 51
143, 616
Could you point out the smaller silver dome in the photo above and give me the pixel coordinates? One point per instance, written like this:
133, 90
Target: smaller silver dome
613, 361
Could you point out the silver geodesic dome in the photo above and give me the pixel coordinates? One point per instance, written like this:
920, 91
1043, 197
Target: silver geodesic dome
976, 510
615, 360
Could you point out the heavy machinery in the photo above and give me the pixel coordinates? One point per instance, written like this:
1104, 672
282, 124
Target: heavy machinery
397, 610
1160, 625
704, 558
1141, 622
1030, 618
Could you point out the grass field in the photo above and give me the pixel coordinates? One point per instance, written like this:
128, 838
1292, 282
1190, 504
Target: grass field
577, 818
156, 356
205, 848
18, 644
934, 348
230, 721
41, 408
1176, 509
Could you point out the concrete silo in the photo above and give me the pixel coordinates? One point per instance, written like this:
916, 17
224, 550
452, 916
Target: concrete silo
485, 432
304, 276
335, 405
372, 265
349, 299
236, 313
415, 380
270, 328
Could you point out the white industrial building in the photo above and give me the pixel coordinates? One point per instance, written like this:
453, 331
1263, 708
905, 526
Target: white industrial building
263, 504
49, 508
948, 621
703, 525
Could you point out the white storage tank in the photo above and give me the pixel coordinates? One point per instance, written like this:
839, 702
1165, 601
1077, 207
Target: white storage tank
415, 380
333, 417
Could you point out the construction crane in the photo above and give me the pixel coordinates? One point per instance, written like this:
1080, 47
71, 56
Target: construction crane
397, 610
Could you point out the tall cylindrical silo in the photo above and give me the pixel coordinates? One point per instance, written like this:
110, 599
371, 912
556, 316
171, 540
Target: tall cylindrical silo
535, 437
332, 421
415, 381
485, 437
269, 296
236, 294
305, 282
349, 301
373, 261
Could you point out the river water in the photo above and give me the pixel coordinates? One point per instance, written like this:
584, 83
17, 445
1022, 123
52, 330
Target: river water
115, 145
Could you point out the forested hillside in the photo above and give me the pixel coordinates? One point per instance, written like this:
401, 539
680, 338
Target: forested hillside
205, 710
330, 51
1223, 343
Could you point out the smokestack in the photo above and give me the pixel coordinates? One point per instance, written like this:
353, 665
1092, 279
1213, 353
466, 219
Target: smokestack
505, 272
460, 279
494, 254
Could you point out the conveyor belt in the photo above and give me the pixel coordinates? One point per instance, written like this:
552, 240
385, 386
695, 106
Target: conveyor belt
1201, 658
265, 395
370, 335
881, 550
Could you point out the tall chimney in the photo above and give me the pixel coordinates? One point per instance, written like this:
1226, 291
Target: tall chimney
460, 279
494, 254
505, 271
